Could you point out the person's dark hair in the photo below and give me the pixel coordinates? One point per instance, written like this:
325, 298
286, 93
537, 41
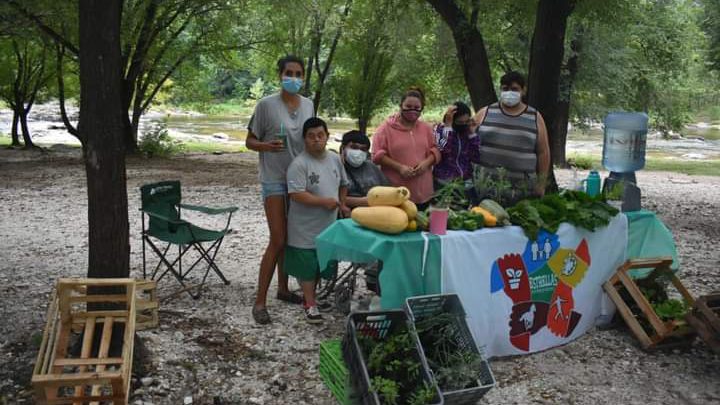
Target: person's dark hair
461, 109
289, 59
314, 122
354, 136
512, 77
414, 91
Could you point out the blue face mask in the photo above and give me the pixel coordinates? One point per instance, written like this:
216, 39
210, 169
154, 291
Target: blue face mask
292, 85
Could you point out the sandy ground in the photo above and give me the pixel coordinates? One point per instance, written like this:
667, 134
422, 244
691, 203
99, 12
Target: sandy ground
211, 350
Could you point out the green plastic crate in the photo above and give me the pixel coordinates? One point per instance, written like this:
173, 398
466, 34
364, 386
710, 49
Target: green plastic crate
333, 371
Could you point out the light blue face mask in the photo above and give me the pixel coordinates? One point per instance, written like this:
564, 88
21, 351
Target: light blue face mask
291, 84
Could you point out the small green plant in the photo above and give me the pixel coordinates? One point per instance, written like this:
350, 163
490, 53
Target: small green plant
671, 309
615, 192
158, 143
455, 367
387, 390
395, 369
424, 395
451, 195
584, 162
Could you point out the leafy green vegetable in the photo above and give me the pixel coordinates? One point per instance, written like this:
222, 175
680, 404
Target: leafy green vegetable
395, 369
574, 207
455, 366
671, 309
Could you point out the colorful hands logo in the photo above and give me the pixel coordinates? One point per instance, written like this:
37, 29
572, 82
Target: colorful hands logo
540, 283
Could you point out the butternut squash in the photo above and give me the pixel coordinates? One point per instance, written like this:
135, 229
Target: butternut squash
412, 226
389, 196
497, 210
488, 218
410, 209
384, 219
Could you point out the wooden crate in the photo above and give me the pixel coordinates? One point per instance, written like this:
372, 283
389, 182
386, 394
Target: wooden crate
97, 373
146, 304
663, 334
705, 319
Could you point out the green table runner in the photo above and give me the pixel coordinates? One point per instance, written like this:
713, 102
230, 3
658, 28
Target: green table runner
402, 256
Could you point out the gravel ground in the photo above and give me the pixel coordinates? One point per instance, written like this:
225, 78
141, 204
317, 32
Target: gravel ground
211, 350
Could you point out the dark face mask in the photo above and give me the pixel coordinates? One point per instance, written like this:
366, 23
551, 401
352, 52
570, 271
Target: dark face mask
461, 129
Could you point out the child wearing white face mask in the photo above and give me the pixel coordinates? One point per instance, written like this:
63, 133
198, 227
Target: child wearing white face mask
362, 172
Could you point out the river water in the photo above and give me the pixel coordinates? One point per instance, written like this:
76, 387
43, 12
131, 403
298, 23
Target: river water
700, 141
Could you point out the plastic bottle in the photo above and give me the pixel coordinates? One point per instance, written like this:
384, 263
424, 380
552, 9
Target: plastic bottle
624, 142
592, 184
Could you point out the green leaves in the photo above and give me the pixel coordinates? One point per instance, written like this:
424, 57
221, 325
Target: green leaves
574, 207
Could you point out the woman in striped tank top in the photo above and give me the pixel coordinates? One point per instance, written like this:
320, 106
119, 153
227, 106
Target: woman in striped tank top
514, 150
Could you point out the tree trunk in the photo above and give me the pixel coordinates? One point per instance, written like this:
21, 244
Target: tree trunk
61, 92
14, 129
25, 130
362, 125
102, 127
567, 80
546, 58
471, 52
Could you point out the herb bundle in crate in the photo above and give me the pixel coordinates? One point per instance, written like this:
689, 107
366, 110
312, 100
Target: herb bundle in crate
460, 369
386, 365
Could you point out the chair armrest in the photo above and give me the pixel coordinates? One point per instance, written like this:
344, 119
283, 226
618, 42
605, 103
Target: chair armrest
208, 210
166, 219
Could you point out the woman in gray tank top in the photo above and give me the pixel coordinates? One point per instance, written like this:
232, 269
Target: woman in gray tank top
514, 149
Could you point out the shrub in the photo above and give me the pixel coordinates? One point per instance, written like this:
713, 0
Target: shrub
157, 143
583, 162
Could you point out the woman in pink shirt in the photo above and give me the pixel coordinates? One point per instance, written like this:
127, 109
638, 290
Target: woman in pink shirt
405, 148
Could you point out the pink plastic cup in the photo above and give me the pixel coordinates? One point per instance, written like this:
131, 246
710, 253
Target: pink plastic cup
438, 221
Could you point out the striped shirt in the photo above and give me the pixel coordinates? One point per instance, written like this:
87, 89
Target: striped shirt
508, 154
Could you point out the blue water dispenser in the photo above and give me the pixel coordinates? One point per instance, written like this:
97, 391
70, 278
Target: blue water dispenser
624, 143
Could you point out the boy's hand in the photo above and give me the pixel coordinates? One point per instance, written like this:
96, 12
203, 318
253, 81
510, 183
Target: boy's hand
345, 211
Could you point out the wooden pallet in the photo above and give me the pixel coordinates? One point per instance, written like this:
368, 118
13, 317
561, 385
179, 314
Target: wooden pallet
663, 334
97, 372
146, 304
705, 318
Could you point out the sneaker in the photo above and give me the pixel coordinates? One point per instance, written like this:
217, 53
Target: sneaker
312, 315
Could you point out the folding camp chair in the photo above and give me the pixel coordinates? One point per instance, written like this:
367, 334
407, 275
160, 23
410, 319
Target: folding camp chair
161, 203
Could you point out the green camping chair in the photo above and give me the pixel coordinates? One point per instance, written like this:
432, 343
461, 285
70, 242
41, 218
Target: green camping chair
161, 203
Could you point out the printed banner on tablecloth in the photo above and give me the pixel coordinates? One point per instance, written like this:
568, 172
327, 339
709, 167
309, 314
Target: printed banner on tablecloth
523, 296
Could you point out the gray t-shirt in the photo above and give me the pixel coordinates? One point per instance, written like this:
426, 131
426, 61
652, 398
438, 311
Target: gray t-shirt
322, 177
270, 119
362, 179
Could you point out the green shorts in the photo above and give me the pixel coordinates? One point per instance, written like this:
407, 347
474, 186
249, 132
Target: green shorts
303, 264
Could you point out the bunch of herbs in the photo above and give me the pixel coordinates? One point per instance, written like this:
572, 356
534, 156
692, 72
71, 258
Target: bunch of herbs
451, 196
395, 369
455, 367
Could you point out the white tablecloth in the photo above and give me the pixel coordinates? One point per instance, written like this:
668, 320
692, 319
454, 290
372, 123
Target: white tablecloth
524, 296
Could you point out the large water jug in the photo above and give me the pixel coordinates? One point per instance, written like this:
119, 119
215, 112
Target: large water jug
624, 144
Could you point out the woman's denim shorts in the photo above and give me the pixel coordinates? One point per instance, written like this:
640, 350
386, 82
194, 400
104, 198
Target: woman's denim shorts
270, 189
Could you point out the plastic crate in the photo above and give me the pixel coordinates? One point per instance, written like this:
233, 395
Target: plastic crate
333, 371
378, 326
420, 308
